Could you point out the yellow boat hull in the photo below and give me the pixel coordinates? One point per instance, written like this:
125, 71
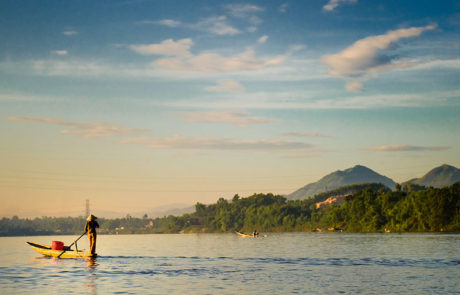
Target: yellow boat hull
244, 235
47, 251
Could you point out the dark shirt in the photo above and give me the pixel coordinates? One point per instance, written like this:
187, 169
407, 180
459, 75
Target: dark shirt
90, 226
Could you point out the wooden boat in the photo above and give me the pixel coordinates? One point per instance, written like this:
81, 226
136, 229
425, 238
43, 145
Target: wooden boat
245, 235
47, 251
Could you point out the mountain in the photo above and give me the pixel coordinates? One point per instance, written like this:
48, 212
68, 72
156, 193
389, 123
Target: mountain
441, 176
174, 209
356, 175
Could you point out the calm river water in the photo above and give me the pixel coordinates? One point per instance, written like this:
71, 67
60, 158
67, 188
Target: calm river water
289, 263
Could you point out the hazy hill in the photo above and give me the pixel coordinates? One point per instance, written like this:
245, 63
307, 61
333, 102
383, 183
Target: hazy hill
441, 176
356, 175
176, 210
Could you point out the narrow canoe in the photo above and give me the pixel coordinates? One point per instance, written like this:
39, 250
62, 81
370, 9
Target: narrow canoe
244, 235
47, 251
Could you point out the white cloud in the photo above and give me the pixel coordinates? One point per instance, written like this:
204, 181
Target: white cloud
71, 68
216, 25
180, 68
169, 23
300, 100
84, 129
214, 143
295, 70
239, 119
363, 58
226, 86
243, 10
333, 4
438, 64
213, 62
303, 134
262, 39
60, 52
354, 86
69, 32
405, 148
167, 47
246, 12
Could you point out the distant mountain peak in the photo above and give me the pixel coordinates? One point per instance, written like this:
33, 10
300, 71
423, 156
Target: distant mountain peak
446, 167
358, 168
356, 175
441, 176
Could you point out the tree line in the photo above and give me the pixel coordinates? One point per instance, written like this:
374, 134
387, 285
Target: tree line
367, 208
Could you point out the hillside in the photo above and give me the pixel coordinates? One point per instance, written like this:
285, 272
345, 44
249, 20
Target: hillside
441, 176
371, 208
356, 175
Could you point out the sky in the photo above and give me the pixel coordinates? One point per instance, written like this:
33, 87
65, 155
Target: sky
141, 104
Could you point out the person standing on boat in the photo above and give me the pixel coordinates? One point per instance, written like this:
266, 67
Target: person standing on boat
90, 228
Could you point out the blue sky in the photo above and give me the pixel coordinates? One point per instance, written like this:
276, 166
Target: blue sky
140, 104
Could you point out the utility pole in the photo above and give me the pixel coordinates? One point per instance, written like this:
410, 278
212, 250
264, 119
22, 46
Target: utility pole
87, 208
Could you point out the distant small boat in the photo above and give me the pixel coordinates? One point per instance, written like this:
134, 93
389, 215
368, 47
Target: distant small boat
47, 251
245, 235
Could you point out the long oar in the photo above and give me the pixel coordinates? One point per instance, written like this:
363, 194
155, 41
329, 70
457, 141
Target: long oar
67, 248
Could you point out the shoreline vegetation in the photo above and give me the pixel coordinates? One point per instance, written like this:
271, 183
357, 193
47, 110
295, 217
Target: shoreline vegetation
364, 208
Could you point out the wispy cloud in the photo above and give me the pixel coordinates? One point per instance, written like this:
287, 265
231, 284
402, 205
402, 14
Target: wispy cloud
438, 64
262, 39
333, 4
216, 25
303, 134
184, 60
283, 7
69, 32
165, 22
214, 62
243, 10
405, 148
71, 68
167, 47
214, 143
364, 58
240, 119
354, 86
290, 70
226, 86
247, 12
20, 97
84, 129
291, 101
60, 52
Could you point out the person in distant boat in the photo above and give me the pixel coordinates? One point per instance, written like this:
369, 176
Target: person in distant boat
90, 228
255, 233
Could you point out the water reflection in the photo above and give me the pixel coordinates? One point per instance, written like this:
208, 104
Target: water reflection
92, 264
92, 275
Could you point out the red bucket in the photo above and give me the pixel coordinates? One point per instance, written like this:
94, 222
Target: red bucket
57, 245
